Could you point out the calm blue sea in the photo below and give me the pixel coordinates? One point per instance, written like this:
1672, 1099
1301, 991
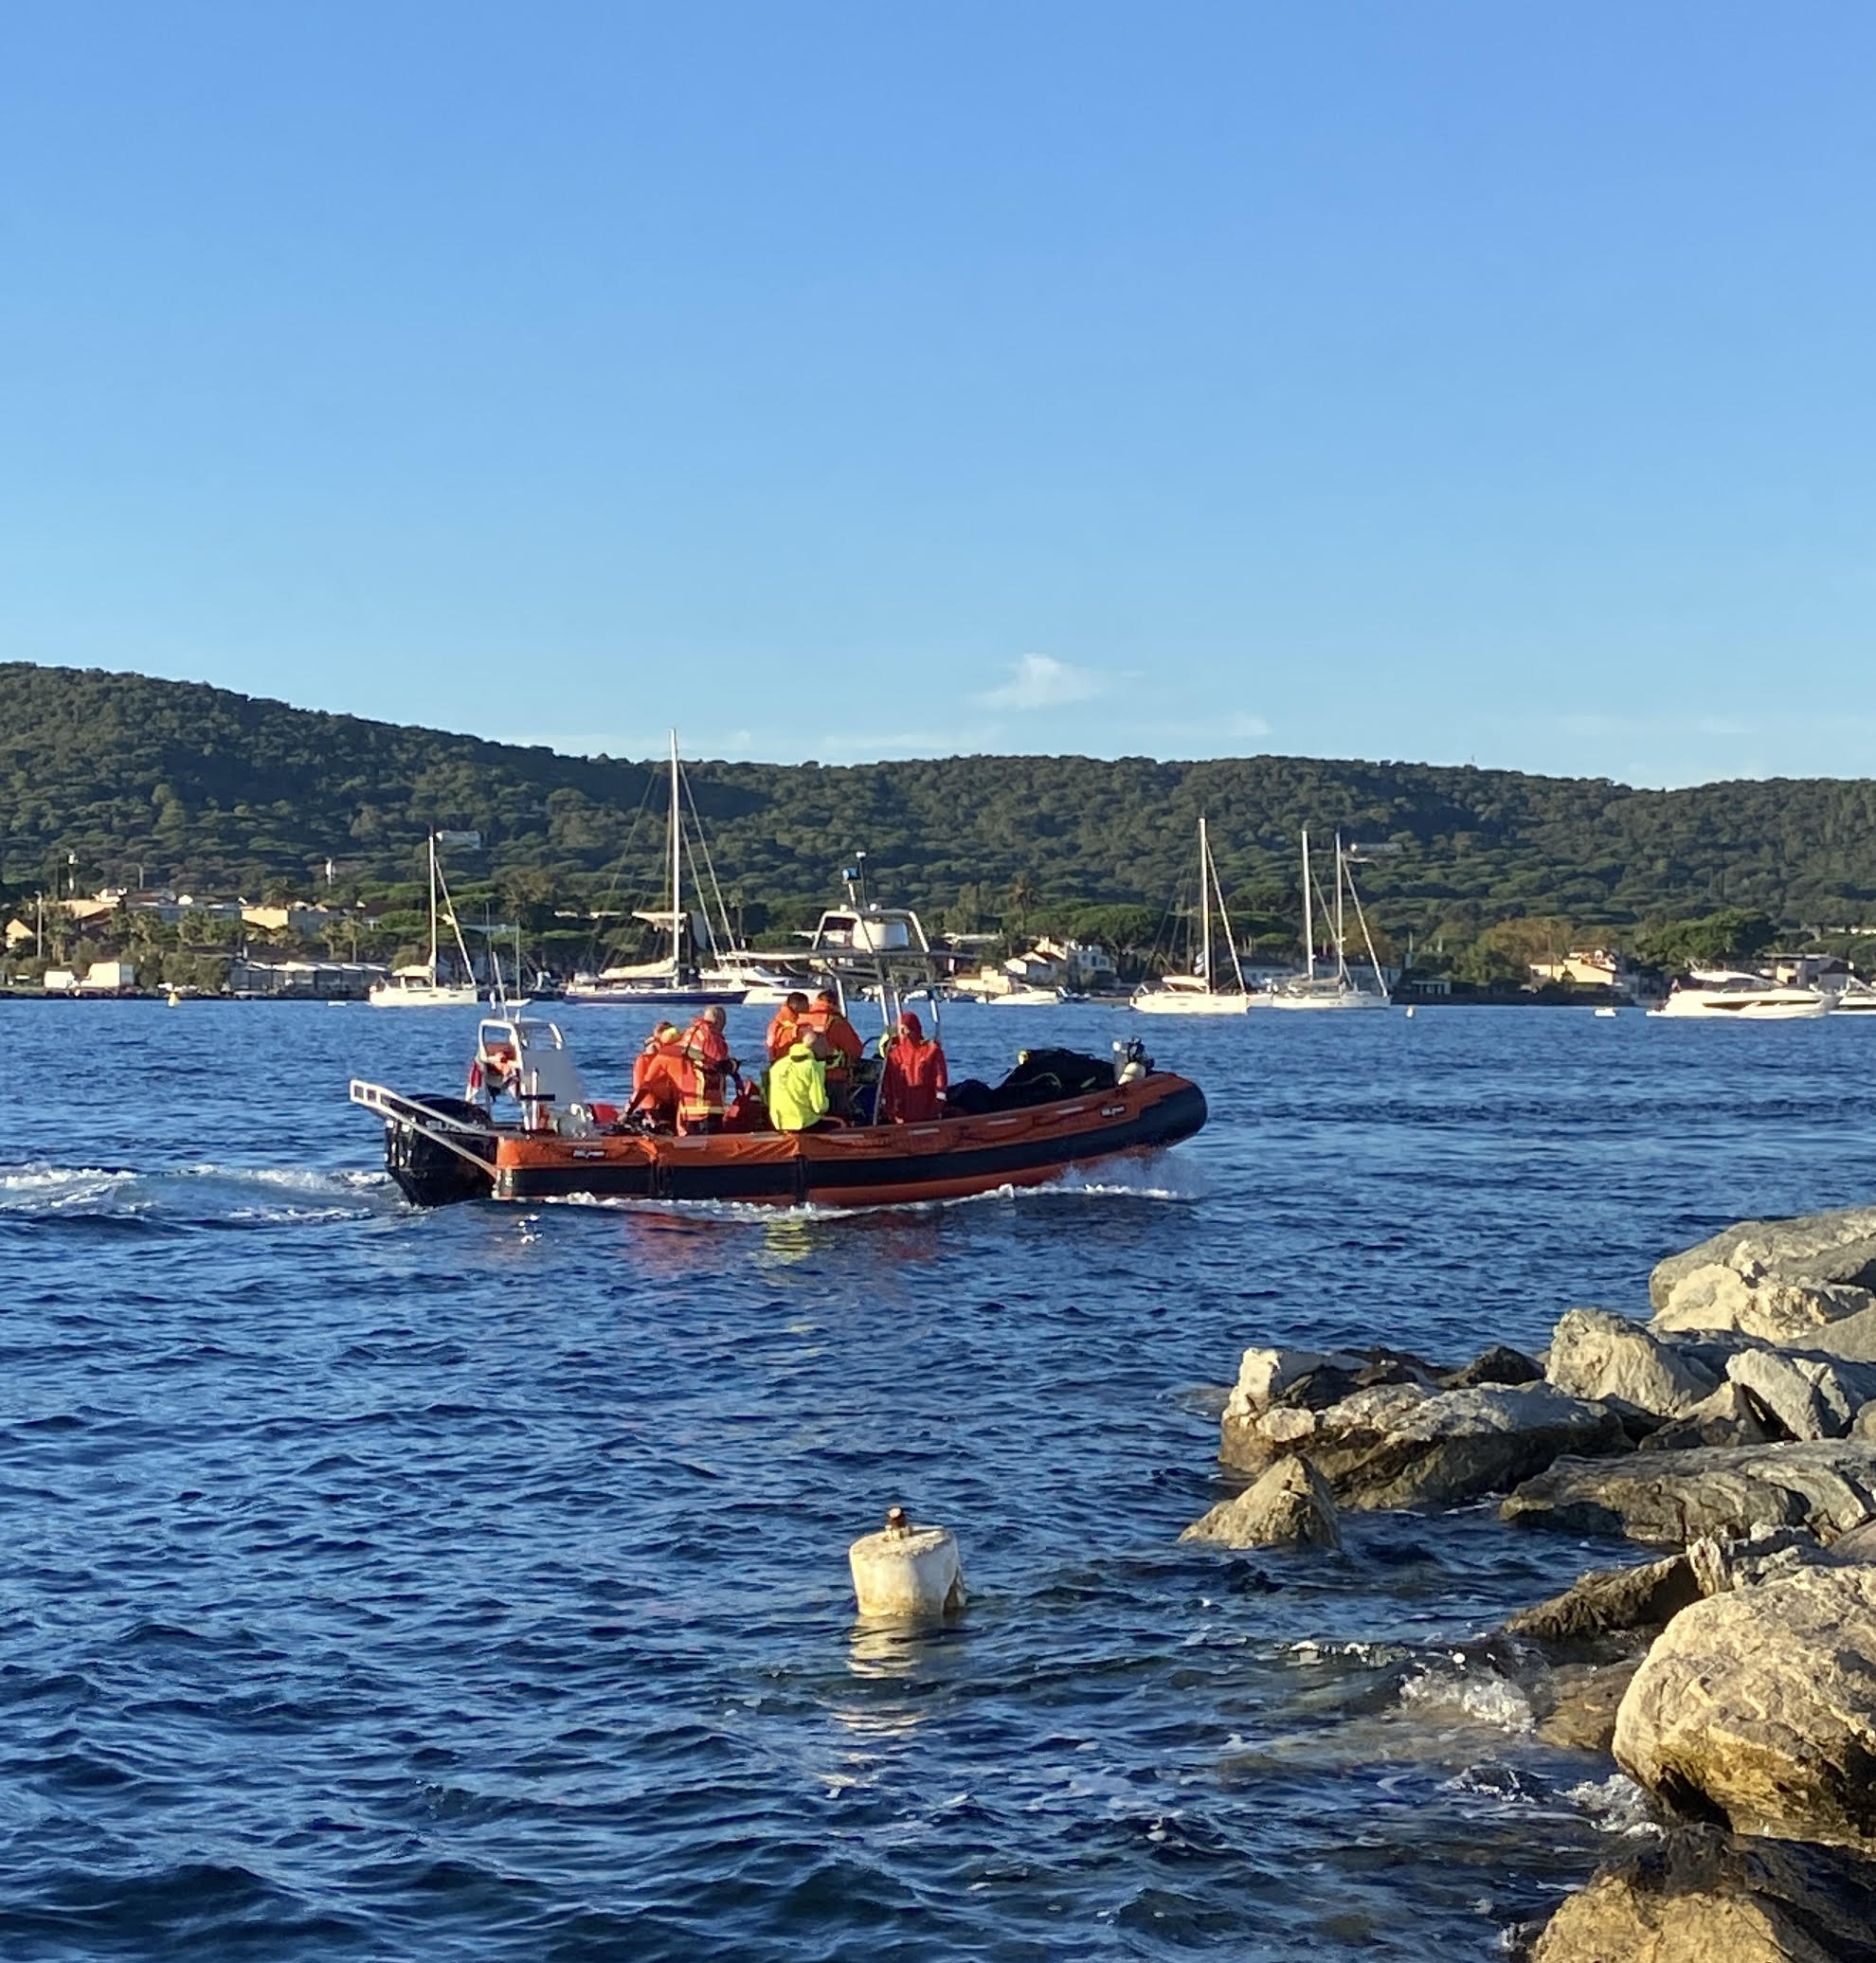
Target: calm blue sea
473, 1584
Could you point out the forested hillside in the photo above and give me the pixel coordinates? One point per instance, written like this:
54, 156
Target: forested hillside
163, 783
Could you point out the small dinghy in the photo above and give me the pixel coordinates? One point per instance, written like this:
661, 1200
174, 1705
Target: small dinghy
1057, 1109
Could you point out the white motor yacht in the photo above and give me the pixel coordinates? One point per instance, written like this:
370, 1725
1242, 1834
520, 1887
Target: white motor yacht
1728, 995
1855, 997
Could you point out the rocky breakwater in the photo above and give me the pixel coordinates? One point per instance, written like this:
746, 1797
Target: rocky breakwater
1733, 1676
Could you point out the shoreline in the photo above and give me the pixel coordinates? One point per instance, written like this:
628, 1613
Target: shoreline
1730, 1672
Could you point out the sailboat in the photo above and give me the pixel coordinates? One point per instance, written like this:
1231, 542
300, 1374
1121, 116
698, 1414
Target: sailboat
417, 987
1197, 994
674, 982
1338, 989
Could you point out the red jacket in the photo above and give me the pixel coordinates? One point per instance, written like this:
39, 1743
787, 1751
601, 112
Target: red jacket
658, 1078
842, 1038
782, 1031
706, 1063
912, 1086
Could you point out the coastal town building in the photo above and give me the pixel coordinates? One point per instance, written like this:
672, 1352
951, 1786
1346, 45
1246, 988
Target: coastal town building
1586, 967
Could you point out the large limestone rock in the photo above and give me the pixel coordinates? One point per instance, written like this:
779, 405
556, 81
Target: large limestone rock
1596, 1355
1812, 1396
1758, 1707
1700, 1895
1749, 1302
1837, 1247
1606, 1601
1290, 1505
1670, 1497
1731, 1416
1401, 1445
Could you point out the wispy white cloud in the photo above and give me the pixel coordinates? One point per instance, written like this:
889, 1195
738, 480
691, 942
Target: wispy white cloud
1041, 681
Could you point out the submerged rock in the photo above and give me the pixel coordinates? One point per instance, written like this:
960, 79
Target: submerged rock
1607, 1599
1290, 1505
1670, 1497
1575, 1706
1400, 1445
1757, 1707
1833, 1248
1699, 1895
1596, 1355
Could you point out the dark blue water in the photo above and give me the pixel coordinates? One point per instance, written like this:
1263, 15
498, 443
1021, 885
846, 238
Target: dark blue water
473, 1584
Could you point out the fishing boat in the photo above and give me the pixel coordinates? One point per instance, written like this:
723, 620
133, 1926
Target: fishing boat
421, 986
1728, 995
1197, 993
1337, 988
677, 981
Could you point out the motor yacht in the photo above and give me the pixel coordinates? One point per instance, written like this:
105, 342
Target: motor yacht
1730, 995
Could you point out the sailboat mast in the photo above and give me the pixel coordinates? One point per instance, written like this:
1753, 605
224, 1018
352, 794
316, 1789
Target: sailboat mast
433, 908
1340, 959
1308, 915
676, 869
1205, 900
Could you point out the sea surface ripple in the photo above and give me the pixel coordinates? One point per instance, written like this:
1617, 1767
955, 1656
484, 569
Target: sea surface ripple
473, 1584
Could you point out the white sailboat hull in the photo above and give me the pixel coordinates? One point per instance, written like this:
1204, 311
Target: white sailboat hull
1326, 999
1167, 1001
392, 995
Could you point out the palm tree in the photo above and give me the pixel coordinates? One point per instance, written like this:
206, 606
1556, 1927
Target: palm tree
1024, 895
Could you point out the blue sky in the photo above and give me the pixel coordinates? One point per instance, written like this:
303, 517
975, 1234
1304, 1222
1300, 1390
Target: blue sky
1463, 382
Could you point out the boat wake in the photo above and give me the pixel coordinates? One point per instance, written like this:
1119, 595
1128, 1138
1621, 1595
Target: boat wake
191, 1195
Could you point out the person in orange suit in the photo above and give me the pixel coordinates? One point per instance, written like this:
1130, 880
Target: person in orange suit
790, 1018
914, 1079
707, 1067
658, 1074
843, 1046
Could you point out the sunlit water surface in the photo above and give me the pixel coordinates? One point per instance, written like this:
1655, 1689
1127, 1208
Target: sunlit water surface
474, 1584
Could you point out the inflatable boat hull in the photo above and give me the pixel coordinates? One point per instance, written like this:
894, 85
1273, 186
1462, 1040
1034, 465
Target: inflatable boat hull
863, 1166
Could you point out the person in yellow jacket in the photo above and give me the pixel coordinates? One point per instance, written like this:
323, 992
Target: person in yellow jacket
797, 1099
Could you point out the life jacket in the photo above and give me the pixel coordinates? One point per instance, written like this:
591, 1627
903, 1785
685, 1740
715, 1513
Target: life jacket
658, 1078
843, 1038
782, 1033
705, 1062
912, 1081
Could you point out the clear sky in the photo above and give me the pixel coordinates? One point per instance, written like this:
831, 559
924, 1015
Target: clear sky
1427, 379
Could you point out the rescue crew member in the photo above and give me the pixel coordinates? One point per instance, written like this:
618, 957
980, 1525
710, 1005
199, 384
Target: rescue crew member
843, 1046
707, 1062
798, 1098
914, 1078
787, 1025
657, 1077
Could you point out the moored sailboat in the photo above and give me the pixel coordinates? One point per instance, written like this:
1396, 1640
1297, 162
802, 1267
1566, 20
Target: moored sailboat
677, 981
419, 985
1337, 989
1198, 994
